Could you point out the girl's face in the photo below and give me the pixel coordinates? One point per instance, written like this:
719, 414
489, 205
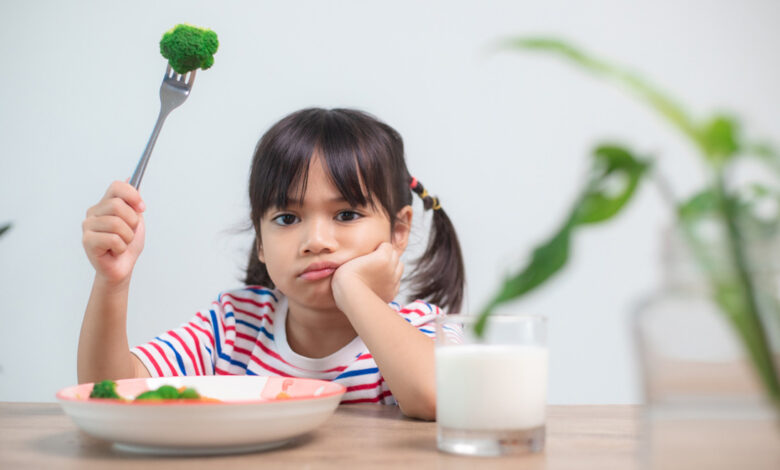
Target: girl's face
304, 243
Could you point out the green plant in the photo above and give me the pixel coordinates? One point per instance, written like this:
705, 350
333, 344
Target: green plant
721, 144
4, 228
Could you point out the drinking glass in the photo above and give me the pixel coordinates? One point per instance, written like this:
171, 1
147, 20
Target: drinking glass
491, 389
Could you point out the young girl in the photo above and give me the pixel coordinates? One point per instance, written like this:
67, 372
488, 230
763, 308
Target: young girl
331, 208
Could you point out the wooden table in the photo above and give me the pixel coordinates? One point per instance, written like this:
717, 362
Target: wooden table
40, 435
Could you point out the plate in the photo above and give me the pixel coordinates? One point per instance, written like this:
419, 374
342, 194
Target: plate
252, 414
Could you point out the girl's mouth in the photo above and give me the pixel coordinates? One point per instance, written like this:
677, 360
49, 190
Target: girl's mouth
317, 274
318, 270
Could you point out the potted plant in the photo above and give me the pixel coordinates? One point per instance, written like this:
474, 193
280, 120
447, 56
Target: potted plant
719, 230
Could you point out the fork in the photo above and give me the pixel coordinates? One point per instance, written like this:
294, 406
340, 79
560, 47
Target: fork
174, 90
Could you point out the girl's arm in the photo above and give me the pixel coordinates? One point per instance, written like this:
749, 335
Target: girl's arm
404, 355
104, 352
113, 238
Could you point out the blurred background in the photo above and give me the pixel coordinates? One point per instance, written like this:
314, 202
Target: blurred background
501, 137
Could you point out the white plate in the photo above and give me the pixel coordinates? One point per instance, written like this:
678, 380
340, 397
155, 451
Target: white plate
250, 416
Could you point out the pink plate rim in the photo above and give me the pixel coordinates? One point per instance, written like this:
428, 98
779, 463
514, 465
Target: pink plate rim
339, 390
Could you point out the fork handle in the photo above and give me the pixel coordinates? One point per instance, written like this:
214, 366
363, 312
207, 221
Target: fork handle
135, 180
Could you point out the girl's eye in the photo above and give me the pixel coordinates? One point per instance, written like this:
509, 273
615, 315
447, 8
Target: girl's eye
347, 216
285, 219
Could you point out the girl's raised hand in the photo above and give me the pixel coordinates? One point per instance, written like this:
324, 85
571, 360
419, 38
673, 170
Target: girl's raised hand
380, 271
113, 232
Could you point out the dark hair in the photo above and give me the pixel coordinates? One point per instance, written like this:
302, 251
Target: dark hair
355, 147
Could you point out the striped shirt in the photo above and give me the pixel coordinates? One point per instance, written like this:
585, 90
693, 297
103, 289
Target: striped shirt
236, 335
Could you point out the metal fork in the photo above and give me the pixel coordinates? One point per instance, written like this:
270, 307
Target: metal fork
174, 90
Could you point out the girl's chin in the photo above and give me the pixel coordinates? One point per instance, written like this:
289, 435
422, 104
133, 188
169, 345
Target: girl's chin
315, 297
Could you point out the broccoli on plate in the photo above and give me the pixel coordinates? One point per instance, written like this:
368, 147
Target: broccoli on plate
104, 389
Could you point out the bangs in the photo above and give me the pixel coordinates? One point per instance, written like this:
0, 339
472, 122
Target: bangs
353, 156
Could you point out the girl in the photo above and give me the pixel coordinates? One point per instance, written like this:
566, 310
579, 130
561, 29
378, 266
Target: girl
331, 208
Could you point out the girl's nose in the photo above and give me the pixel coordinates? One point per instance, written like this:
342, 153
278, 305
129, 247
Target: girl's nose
318, 237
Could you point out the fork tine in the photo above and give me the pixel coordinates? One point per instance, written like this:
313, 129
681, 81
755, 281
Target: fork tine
191, 78
168, 71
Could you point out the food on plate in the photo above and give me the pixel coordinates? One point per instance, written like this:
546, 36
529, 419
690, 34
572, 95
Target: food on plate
107, 389
104, 389
188, 47
164, 392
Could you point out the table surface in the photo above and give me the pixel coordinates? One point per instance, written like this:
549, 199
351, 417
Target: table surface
40, 435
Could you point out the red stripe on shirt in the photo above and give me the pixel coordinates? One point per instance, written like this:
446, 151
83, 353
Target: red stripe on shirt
205, 332
265, 366
162, 353
197, 348
151, 359
269, 305
263, 347
365, 386
412, 310
248, 313
186, 350
382, 395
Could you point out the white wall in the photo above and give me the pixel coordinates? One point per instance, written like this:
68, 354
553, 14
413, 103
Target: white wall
501, 138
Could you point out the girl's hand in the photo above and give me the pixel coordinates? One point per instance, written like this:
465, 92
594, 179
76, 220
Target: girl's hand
113, 232
380, 271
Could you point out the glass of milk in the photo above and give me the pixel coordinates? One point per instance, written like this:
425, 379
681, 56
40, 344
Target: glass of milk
491, 390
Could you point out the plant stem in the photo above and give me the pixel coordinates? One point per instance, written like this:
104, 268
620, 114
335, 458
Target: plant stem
753, 333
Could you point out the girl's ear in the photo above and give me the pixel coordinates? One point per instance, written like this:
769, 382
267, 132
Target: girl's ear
260, 254
403, 225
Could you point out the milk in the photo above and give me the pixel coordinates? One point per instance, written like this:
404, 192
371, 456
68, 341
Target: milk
491, 387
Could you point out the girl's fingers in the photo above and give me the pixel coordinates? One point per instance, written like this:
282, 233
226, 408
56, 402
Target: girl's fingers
110, 224
127, 193
115, 207
102, 242
399, 272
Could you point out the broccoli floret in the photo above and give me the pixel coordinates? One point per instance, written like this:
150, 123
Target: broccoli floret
104, 389
189, 394
149, 395
188, 47
168, 392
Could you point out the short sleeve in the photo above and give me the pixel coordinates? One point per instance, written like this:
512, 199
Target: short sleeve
421, 315
186, 350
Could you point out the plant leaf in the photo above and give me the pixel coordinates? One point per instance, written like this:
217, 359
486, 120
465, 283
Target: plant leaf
719, 136
4, 228
594, 205
662, 103
700, 204
616, 177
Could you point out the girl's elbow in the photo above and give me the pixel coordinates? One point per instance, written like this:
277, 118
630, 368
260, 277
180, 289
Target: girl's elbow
423, 408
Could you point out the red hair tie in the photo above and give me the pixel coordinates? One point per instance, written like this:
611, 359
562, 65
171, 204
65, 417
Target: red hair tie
413, 184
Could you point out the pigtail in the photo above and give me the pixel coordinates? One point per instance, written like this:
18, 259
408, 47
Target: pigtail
439, 275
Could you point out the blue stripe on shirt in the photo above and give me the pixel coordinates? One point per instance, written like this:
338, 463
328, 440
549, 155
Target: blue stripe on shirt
257, 328
178, 357
211, 357
263, 292
220, 354
215, 328
352, 373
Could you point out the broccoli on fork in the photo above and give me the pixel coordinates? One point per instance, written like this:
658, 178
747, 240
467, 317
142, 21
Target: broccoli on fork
188, 47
